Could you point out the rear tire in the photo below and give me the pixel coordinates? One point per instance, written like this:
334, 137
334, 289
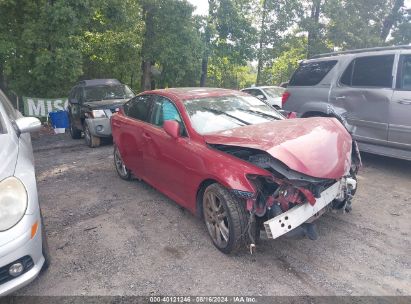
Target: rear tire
225, 218
121, 169
91, 140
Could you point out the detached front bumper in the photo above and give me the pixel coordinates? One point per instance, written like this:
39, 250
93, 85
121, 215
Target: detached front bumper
24, 249
296, 216
99, 126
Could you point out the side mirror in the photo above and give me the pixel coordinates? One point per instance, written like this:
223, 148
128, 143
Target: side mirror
172, 128
28, 124
261, 96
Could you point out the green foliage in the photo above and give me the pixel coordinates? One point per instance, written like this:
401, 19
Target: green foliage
286, 63
223, 73
402, 33
48, 45
110, 41
356, 24
173, 42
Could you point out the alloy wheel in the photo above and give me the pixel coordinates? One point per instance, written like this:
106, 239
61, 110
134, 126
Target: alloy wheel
121, 168
216, 219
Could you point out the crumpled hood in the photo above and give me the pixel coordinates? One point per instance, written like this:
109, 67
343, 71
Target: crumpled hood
8, 156
106, 103
318, 147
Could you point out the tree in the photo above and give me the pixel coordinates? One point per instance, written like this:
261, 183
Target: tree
171, 45
361, 24
391, 19
229, 34
402, 33
279, 17
287, 62
110, 40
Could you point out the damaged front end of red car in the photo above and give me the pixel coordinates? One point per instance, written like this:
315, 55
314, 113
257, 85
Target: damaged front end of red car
286, 202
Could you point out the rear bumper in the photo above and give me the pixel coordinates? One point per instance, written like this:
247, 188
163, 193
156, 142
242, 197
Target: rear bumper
22, 246
293, 218
99, 126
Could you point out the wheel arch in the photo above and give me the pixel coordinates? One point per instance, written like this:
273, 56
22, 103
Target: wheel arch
199, 195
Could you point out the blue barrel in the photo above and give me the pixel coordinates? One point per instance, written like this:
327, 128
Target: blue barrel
59, 119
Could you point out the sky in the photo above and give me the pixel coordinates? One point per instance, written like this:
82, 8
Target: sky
202, 6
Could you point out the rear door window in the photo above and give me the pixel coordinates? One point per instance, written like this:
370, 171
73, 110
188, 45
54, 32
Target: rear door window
138, 107
404, 73
370, 71
311, 73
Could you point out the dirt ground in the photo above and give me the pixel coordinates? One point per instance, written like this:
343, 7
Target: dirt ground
112, 237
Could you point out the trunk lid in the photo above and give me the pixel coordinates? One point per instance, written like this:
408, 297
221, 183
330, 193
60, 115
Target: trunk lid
318, 147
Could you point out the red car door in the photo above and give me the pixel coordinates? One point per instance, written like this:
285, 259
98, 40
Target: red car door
130, 140
171, 165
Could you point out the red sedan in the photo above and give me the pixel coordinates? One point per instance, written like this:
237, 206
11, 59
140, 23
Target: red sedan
236, 162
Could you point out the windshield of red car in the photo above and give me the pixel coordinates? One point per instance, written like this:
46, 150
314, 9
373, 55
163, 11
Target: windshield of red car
214, 114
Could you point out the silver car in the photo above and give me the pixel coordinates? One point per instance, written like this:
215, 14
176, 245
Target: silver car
23, 246
368, 89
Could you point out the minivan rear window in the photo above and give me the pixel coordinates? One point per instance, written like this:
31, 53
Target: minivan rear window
311, 73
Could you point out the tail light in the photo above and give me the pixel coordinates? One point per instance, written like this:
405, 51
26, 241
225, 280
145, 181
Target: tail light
285, 97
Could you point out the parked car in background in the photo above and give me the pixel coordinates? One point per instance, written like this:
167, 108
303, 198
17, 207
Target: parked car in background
235, 161
368, 89
91, 104
23, 244
269, 94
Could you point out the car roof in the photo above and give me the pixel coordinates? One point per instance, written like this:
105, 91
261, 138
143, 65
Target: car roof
195, 92
96, 82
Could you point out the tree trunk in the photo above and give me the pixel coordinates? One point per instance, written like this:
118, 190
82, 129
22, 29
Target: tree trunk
148, 18
146, 76
207, 42
261, 46
313, 30
390, 20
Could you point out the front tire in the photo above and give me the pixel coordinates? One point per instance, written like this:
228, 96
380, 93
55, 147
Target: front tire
225, 218
74, 132
121, 169
91, 140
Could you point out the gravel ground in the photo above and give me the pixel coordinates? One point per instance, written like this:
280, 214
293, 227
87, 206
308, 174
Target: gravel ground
112, 237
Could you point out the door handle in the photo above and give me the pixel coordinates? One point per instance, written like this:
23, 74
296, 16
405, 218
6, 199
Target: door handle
340, 98
146, 136
405, 101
